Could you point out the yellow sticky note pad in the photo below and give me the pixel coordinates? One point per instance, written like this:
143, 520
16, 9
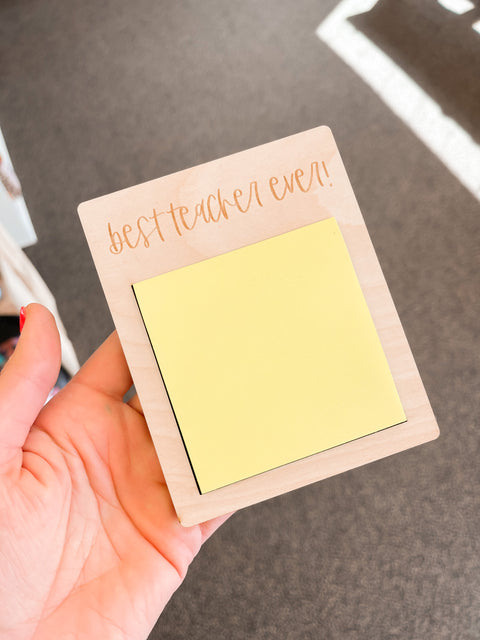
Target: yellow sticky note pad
268, 354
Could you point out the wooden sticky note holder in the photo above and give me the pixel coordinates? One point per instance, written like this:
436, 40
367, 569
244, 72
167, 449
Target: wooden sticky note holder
204, 218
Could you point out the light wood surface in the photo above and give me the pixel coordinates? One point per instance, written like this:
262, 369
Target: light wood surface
165, 224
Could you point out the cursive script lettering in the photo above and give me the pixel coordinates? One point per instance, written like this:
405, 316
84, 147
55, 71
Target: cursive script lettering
293, 181
215, 207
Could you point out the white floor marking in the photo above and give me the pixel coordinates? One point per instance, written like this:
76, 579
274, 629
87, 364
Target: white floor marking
457, 6
440, 133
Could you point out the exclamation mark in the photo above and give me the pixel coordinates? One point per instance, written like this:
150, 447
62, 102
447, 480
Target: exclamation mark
326, 171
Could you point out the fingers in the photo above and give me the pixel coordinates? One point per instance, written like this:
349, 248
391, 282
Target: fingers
106, 370
209, 527
134, 402
27, 379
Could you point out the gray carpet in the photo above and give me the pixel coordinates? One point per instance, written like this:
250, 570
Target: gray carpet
96, 96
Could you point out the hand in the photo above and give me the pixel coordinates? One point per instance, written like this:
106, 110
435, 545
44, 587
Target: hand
90, 546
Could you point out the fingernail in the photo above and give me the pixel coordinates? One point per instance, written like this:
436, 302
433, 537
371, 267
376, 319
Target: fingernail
22, 318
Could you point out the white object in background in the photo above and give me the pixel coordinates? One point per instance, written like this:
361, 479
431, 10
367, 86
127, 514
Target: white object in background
14, 214
452, 145
20, 284
457, 6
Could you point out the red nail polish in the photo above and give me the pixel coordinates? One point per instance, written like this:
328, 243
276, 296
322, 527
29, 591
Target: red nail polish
22, 318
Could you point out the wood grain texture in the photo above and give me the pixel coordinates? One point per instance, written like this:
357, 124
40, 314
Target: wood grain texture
152, 228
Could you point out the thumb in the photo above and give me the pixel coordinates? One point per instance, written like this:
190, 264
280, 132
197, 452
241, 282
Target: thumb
27, 379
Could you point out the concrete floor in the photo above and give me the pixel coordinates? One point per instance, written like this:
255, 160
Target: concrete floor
99, 96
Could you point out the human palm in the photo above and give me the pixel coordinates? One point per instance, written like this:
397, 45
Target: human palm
90, 545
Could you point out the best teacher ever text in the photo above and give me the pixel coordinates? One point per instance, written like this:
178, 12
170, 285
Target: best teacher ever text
214, 208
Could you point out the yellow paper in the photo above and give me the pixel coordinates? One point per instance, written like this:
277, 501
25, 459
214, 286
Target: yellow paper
269, 354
